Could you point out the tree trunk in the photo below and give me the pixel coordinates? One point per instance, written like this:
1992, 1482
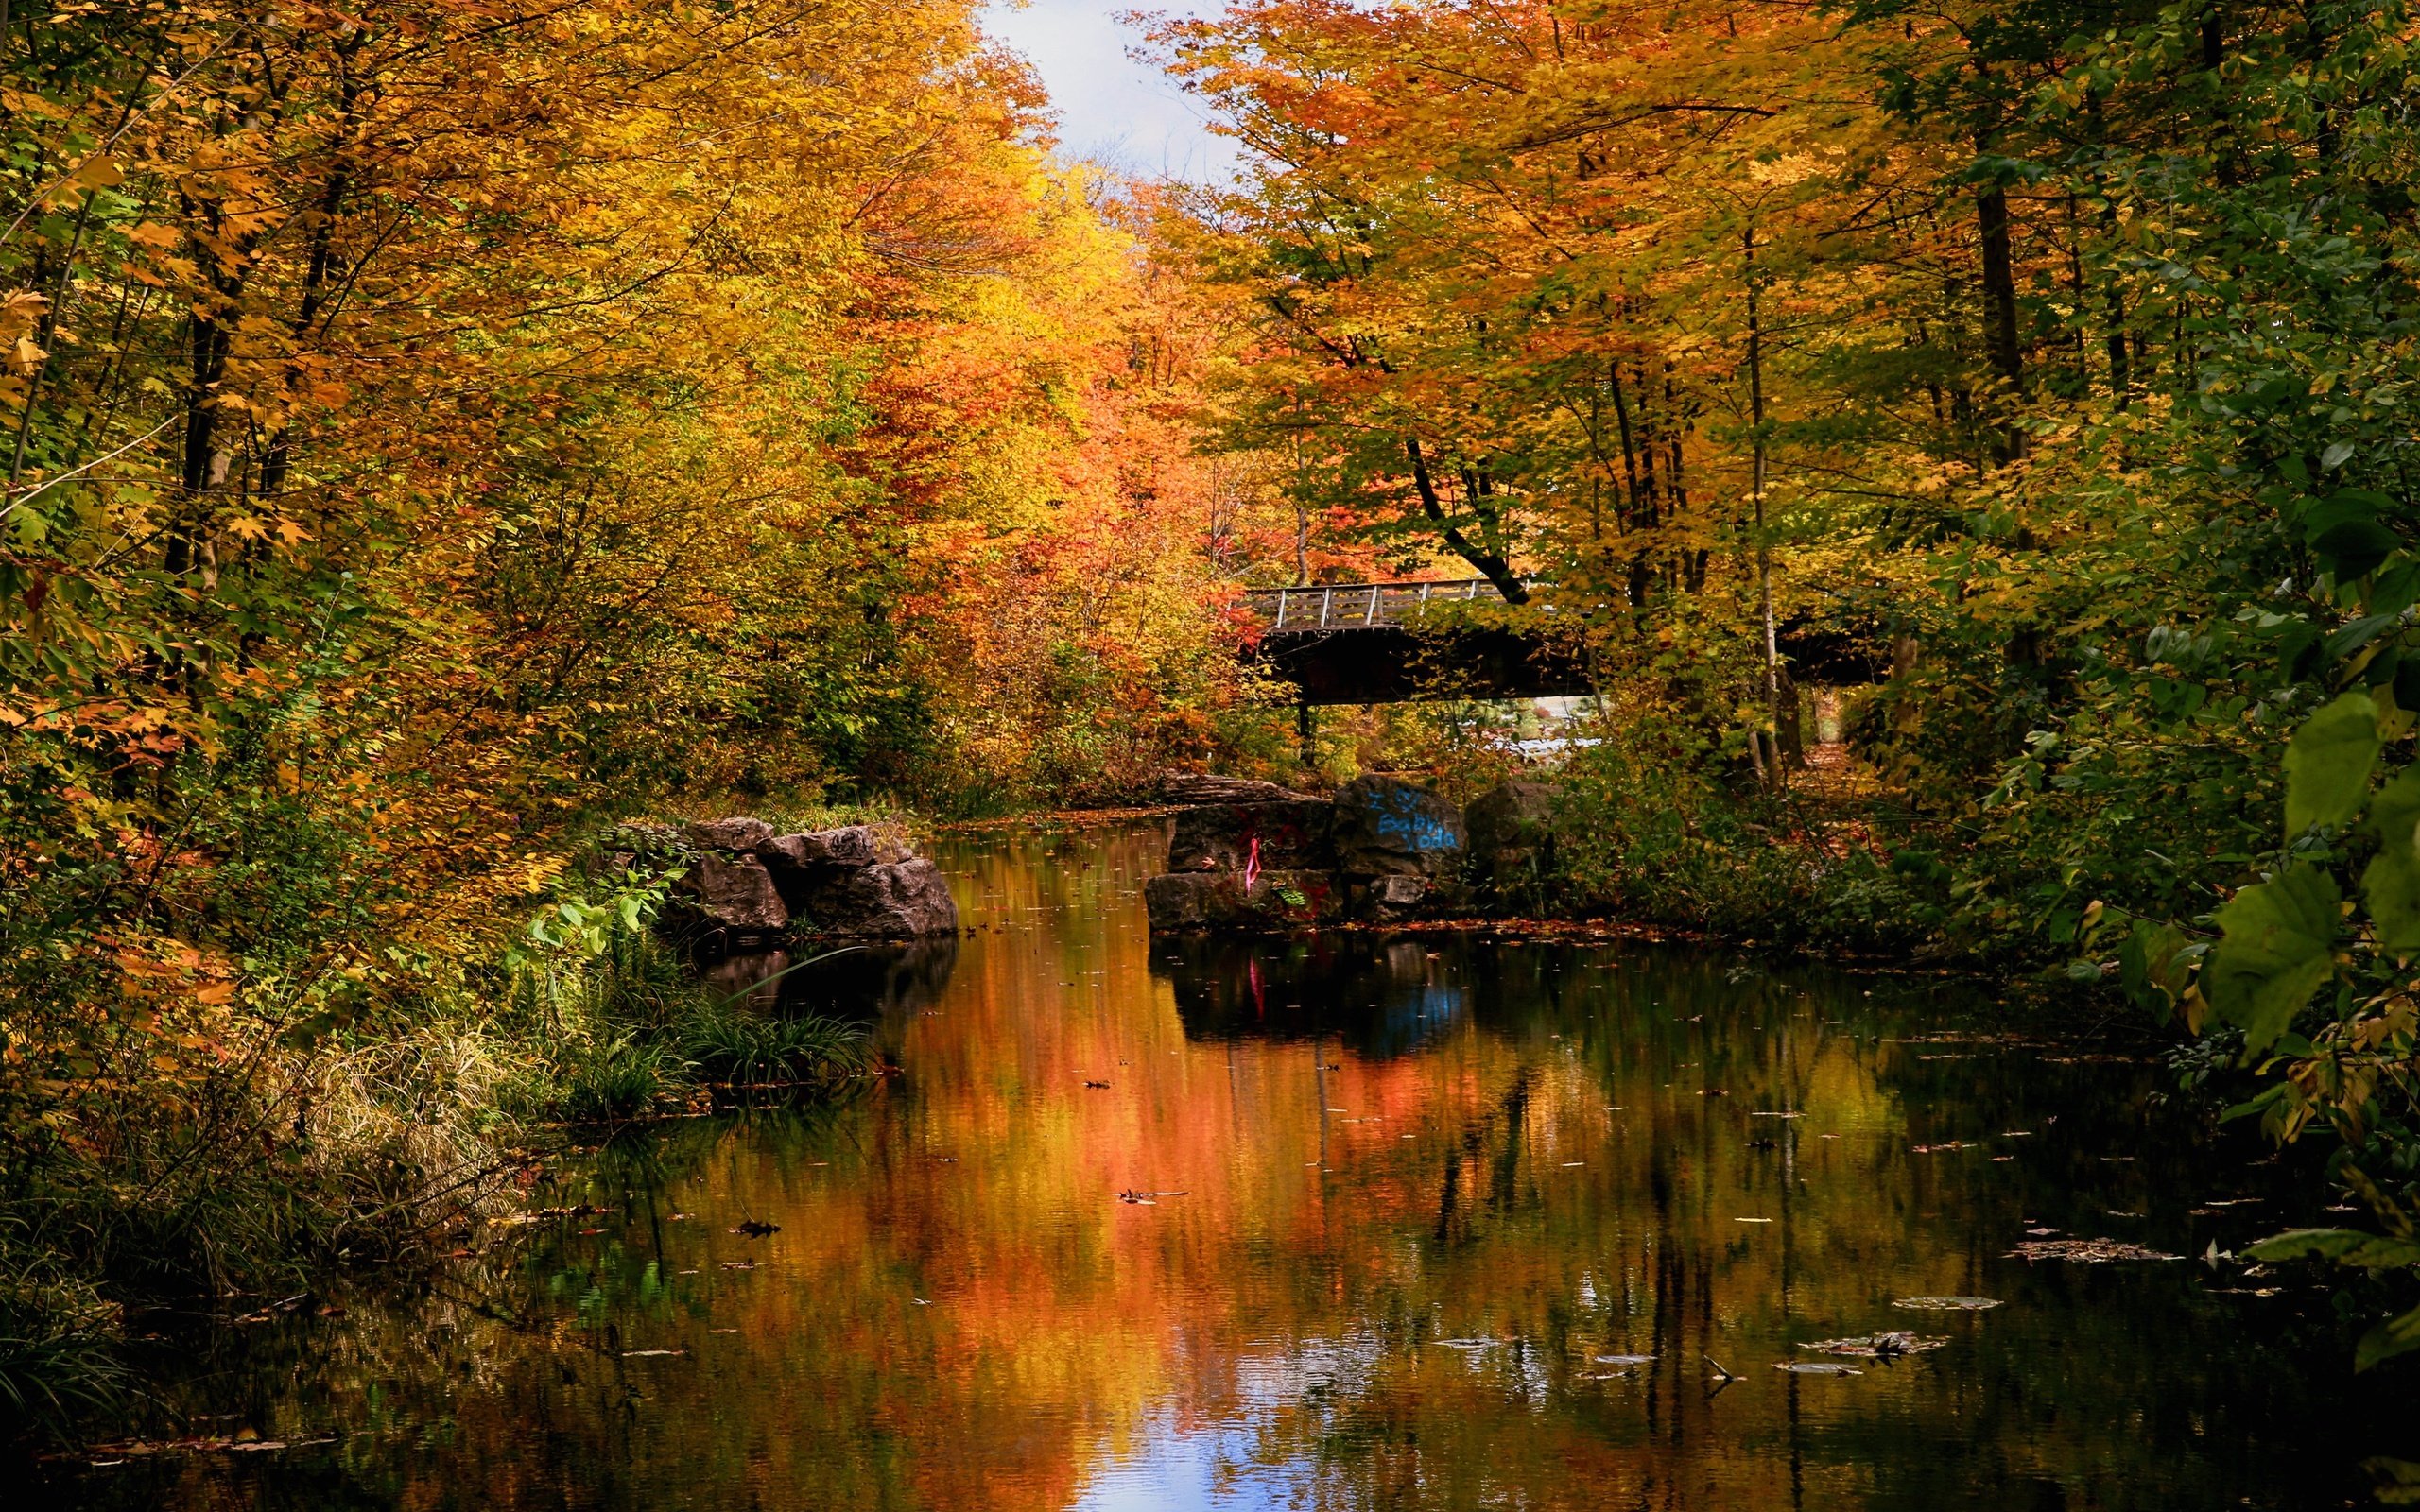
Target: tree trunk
1778, 769
1999, 313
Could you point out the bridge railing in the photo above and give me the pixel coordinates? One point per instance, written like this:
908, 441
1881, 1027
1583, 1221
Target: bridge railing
1360, 606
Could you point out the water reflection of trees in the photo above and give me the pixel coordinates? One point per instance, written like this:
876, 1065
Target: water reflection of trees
1426, 1185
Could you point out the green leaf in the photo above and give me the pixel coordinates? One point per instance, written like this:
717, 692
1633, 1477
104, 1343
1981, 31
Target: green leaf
2358, 634
2345, 535
2397, 1335
2391, 885
2267, 1099
2396, 588
2345, 1247
2354, 549
2279, 935
2327, 764
2147, 959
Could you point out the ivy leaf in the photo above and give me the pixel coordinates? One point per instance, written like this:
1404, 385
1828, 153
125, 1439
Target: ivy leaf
2327, 764
2277, 950
2391, 885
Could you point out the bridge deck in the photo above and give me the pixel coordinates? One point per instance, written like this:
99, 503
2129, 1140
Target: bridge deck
1368, 642
1361, 606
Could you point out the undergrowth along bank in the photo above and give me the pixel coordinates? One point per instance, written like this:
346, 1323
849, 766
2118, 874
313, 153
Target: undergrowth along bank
282, 1145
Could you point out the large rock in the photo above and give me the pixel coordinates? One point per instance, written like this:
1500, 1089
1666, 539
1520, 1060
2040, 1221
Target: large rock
803, 865
727, 834
1293, 835
887, 900
857, 883
730, 896
1512, 834
1388, 828
1391, 899
1177, 901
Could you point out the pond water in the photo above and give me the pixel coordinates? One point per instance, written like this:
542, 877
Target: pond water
1423, 1223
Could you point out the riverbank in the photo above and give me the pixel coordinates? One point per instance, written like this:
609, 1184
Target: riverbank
215, 1142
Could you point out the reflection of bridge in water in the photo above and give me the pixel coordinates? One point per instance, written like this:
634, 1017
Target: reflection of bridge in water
1383, 998
1395, 643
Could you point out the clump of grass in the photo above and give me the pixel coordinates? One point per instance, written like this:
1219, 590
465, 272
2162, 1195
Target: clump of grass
611, 1082
57, 1351
740, 1050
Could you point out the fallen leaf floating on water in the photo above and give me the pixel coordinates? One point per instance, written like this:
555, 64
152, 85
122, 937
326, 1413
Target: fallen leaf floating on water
246, 1442
2085, 1251
651, 1354
1462, 1344
1141, 1199
1621, 1359
753, 1228
1947, 1304
1098, 1085
1888, 1346
739, 1265
1808, 1368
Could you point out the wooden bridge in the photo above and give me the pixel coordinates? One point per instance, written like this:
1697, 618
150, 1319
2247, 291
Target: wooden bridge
1396, 642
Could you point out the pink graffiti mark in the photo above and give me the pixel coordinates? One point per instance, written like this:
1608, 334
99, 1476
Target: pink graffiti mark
1251, 865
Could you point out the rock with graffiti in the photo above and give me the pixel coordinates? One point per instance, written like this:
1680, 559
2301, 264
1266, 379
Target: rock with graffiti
1382, 850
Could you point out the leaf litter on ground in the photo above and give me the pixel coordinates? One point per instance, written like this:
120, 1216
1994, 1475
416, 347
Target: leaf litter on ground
1947, 1304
